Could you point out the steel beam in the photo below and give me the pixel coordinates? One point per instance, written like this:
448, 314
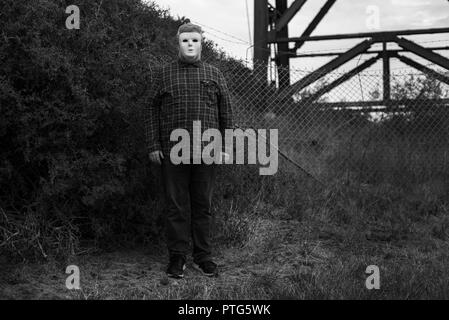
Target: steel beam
423, 68
330, 66
261, 49
386, 77
344, 78
423, 52
381, 36
288, 15
332, 54
283, 59
312, 26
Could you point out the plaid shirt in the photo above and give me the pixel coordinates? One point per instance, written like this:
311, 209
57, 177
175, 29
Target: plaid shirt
180, 94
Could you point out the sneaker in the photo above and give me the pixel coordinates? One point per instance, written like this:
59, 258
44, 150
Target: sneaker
208, 268
176, 267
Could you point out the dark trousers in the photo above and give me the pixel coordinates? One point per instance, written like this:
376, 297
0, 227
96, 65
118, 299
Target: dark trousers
188, 190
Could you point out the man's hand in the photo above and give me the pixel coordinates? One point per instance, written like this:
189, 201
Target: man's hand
156, 157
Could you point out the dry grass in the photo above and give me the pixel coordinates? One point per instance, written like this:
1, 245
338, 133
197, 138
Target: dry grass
287, 237
321, 253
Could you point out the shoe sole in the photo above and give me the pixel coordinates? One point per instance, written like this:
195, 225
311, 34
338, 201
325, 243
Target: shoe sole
197, 267
177, 276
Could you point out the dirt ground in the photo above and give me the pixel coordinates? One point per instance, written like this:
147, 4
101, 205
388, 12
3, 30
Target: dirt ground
284, 259
139, 274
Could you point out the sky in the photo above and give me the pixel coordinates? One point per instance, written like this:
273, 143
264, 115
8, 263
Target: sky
226, 23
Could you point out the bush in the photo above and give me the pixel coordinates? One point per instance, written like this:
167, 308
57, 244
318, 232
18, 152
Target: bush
73, 166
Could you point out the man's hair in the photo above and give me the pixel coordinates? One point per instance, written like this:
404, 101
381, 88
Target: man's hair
189, 27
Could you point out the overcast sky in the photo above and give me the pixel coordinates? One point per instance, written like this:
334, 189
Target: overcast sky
225, 22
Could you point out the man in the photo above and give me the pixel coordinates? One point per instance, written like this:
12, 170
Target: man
185, 91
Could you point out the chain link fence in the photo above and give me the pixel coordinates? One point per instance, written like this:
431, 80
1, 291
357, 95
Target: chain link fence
347, 134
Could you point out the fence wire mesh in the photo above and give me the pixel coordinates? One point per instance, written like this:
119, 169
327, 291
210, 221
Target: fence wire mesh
347, 133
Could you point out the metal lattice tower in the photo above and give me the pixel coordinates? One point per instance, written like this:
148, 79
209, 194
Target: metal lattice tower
271, 38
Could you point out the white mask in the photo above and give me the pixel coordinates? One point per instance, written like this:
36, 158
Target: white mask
190, 46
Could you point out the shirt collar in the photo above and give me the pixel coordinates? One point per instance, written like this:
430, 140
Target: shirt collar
187, 64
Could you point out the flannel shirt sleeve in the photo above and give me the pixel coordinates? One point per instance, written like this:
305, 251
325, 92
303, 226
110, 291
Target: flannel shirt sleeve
225, 105
152, 114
